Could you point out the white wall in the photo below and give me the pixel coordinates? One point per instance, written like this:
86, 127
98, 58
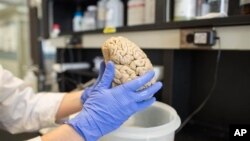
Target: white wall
14, 48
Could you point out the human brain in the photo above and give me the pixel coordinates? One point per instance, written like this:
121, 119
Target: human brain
130, 61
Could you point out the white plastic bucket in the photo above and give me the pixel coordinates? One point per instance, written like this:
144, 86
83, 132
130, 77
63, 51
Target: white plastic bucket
157, 123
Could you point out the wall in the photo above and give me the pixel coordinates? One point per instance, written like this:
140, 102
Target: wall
14, 50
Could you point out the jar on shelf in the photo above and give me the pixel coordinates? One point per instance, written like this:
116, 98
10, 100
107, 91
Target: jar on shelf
245, 7
202, 8
92, 21
184, 10
101, 13
136, 12
219, 8
150, 7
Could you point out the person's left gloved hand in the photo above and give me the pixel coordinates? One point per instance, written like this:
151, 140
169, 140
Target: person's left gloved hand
87, 91
108, 108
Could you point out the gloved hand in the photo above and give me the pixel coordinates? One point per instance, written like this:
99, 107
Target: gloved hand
88, 90
108, 108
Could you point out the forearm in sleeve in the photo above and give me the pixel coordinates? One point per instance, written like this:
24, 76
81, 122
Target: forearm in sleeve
21, 109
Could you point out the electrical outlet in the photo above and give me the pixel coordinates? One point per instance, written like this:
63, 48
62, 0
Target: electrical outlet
198, 37
205, 38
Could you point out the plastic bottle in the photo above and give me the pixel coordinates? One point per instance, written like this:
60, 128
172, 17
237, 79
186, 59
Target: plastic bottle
55, 31
184, 10
89, 21
136, 12
77, 21
101, 13
84, 24
150, 6
92, 19
114, 16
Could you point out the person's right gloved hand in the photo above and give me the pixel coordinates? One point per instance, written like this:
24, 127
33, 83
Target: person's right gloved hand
108, 108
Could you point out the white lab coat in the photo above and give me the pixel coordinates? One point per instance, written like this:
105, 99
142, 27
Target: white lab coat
21, 110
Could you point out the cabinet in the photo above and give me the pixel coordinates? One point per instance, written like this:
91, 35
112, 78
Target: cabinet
62, 12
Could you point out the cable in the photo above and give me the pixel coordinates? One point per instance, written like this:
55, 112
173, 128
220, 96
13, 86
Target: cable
210, 92
63, 77
71, 58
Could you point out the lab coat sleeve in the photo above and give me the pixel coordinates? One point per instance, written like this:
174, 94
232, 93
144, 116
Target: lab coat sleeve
21, 110
35, 139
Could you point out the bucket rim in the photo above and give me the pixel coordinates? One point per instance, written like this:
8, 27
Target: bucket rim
157, 130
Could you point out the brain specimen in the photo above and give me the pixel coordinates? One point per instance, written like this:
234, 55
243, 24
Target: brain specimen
130, 61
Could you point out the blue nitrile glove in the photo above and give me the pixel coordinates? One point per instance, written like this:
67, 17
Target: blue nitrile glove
108, 108
88, 90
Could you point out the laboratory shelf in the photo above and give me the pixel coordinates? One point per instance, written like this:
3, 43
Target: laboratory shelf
214, 22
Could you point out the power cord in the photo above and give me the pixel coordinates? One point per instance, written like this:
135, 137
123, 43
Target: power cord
210, 92
63, 77
72, 42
